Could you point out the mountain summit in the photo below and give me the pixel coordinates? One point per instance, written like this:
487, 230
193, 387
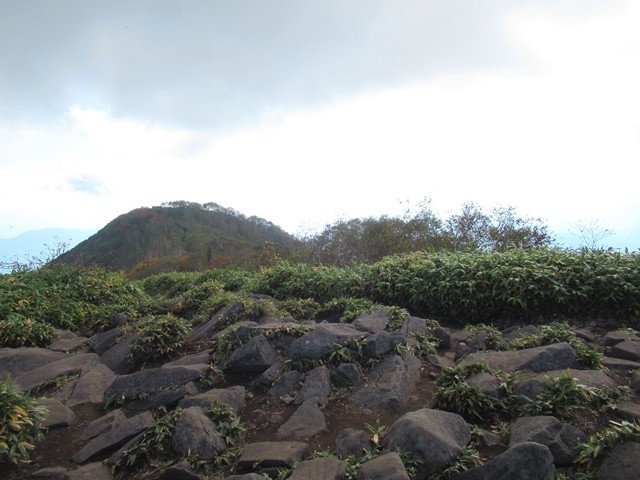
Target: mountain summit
175, 236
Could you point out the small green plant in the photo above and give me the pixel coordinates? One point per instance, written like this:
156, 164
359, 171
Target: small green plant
20, 423
158, 337
603, 441
397, 317
348, 352
20, 331
376, 430
227, 423
494, 336
423, 344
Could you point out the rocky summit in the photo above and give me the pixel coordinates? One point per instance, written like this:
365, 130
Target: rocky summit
321, 400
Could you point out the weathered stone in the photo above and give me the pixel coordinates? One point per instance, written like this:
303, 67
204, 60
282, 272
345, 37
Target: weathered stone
585, 334
623, 463
58, 415
414, 325
114, 437
443, 335
92, 471
259, 455
372, 322
433, 437
51, 473
562, 439
316, 387
390, 384
91, 385
385, 467
46, 373
627, 350
179, 471
488, 438
152, 381
352, 442
620, 364
487, 383
272, 373
285, 384
346, 375
15, 361
305, 422
440, 362
117, 356
613, 338
313, 345
165, 398
328, 468
103, 424
628, 410
525, 461
255, 356
68, 343
232, 396
195, 434
194, 359
635, 382
378, 344
208, 329
557, 356
101, 342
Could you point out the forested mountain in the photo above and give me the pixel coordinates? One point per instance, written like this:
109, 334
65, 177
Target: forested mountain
178, 235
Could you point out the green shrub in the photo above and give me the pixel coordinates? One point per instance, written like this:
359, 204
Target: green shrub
20, 423
158, 337
602, 442
18, 331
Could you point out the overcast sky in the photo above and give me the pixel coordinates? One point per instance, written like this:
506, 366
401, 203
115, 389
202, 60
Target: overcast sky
305, 111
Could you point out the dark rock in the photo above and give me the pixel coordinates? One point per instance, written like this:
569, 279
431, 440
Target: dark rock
151, 381
352, 442
313, 345
117, 356
372, 322
613, 338
328, 468
487, 383
101, 342
168, 397
620, 364
285, 384
195, 434
15, 361
271, 374
259, 455
179, 471
208, 329
433, 437
516, 332
194, 359
46, 373
58, 415
51, 473
346, 375
443, 335
440, 362
91, 385
92, 471
255, 356
557, 356
119, 320
316, 387
628, 410
635, 382
232, 396
114, 437
385, 467
390, 384
488, 438
525, 461
414, 325
562, 439
623, 463
627, 350
379, 344
306, 422
103, 424
69, 343
585, 334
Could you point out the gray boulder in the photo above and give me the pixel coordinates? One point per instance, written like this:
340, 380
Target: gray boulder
381, 343
285, 384
255, 356
46, 373
208, 329
103, 424
316, 387
627, 350
352, 442
117, 356
613, 338
433, 437
14, 361
232, 396
385, 467
101, 342
390, 384
259, 455
558, 356
91, 385
524, 461
346, 375
306, 422
328, 468
374, 322
195, 434
57, 414
313, 345
179, 471
92, 471
167, 397
562, 439
623, 463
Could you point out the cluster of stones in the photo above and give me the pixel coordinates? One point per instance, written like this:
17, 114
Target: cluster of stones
435, 438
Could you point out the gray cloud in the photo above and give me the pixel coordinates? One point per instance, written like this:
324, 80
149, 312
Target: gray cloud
217, 63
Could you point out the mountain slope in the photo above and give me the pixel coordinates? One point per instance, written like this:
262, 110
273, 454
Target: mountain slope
177, 235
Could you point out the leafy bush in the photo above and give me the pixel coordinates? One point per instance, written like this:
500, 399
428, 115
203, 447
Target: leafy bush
603, 441
158, 337
20, 423
18, 331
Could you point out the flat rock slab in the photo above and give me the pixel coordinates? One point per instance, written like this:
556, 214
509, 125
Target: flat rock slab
623, 463
588, 378
539, 359
58, 415
103, 424
627, 350
390, 384
328, 468
306, 422
374, 322
620, 364
385, 467
617, 336
117, 356
255, 356
316, 387
525, 461
46, 373
562, 439
259, 455
68, 345
14, 361
114, 437
628, 410
194, 359
91, 385
232, 396
92, 471
167, 397
195, 434
153, 381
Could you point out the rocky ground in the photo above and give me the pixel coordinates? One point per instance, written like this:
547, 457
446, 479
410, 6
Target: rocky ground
312, 404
